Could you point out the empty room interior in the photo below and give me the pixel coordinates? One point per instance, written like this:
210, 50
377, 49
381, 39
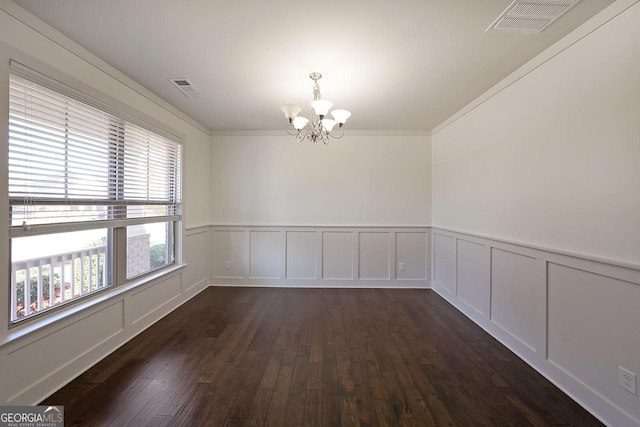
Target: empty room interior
455, 240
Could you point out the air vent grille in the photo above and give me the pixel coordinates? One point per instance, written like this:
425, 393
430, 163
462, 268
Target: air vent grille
187, 88
531, 16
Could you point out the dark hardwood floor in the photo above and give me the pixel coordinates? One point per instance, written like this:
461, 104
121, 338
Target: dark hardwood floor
318, 357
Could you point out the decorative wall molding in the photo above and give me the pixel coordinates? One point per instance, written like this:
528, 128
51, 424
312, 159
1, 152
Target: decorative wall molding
318, 256
566, 315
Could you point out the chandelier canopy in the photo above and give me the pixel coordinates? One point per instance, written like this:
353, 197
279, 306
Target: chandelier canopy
318, 128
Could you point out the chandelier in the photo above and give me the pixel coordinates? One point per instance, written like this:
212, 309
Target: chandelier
318, 128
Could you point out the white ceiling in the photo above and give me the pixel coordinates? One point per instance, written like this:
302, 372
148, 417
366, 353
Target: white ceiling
405, 65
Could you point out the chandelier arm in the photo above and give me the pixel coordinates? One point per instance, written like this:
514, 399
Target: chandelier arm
336, 133
323, 136
302, 134
291, 130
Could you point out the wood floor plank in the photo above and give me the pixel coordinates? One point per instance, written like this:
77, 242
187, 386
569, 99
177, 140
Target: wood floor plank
315, 357
330, 389
270, 374
278, 406
312, 408
295, 407
260, 408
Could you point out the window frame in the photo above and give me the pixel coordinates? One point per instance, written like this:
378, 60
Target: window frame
116, 265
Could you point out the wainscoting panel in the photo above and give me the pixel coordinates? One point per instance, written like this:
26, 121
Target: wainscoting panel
410, 256
266, 254
196, 255
573, 318
594, 320
322, 256
229, 249
516, 301
29, 366
444, 265
337, 255
474, 275
374, 255
302, 255
153, 297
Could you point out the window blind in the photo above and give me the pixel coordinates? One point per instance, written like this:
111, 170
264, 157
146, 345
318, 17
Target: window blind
73, 166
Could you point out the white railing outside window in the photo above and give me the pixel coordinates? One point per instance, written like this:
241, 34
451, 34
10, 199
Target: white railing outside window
42, 283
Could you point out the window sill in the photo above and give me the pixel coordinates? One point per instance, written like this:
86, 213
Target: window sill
20, 330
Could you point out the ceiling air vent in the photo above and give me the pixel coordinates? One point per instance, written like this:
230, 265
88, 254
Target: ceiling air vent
531, 16
187, 88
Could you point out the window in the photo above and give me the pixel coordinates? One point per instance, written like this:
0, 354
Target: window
94, 198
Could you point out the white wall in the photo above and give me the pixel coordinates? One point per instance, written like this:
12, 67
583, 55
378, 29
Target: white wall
358, 180
38, 357
344, 214
536, 212
552, 160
